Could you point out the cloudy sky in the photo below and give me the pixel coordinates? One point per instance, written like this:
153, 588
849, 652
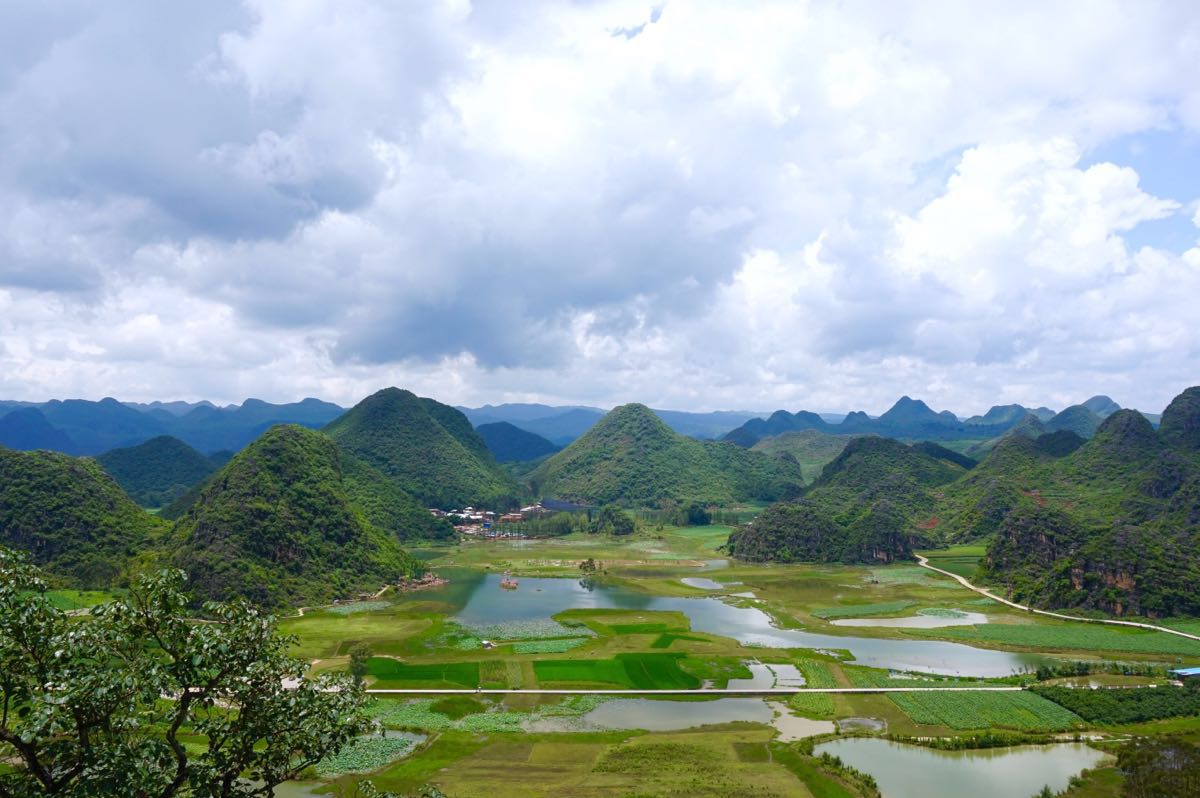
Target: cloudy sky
695, 205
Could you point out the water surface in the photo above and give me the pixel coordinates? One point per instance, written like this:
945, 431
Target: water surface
909, 771
478, 600
917, 621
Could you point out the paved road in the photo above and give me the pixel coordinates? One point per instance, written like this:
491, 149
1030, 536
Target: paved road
924, 563
768, 691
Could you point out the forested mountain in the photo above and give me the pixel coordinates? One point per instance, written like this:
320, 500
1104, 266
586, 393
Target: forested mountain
563, 424
27, 429
157, 472
511, 444
96, 427
633, 458
277, 526
428, 449
861, 509
811, 448
71, 517
1076, 418
1112, 522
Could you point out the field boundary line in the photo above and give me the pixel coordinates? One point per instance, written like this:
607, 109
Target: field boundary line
714, 691
924, 563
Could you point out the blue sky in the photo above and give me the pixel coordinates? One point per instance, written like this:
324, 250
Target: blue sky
696, 205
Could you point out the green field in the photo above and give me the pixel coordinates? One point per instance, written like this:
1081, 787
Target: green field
961, 560
637, 671
1074, 636
1022, 711
393, 673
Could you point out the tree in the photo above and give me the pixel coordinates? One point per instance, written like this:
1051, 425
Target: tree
102, 706
612, 521
360, 654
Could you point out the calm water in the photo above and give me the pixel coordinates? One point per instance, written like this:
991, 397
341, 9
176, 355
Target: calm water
917, 621
644, 713
476, 599
909, 771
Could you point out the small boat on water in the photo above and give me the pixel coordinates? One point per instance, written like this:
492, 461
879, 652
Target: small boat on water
508, 583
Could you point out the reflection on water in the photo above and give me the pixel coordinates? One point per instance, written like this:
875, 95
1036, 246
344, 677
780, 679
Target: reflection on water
477, 600
651, 715
909, 771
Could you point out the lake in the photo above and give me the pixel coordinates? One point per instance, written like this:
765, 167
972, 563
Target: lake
909, 771
477, 600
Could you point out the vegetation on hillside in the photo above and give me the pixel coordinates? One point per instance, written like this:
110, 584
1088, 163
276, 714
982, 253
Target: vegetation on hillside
511, 444
276, 525
157, 472
633, 458
72, 518
428, 449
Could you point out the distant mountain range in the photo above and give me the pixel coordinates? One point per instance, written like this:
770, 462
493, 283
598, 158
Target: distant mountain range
84, 427
912, 419
562, 424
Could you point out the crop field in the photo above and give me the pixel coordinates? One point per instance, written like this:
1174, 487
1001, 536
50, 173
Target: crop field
394, 673
697, 763
1073, 636
555, 646
1023, 711
639, 671
366, 754
961, 560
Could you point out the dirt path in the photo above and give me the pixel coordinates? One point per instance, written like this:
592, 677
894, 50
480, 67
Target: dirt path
924, 563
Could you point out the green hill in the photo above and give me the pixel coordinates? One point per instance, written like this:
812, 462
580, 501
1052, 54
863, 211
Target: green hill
1111, 523
511, 444
865, 507
811, 448
71, 517
276, 525
632, 457
428, 449
1076, 418
157, 472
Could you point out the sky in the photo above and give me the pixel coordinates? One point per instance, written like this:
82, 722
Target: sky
694, 205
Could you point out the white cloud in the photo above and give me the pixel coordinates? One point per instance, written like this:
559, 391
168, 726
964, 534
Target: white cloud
757, 205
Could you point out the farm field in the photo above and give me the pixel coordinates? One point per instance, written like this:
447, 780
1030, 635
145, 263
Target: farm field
476, 745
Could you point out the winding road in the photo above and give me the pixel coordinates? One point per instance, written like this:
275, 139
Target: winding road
924, 563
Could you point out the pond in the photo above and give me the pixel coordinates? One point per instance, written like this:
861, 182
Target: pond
909, 771
917, 621
702, 583
476, 599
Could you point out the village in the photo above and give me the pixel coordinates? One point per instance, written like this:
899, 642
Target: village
489, 524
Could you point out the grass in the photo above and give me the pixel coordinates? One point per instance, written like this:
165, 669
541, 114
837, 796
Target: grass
863, 610
78, 599
1074, 636
1022, 711
961, 560
805, 768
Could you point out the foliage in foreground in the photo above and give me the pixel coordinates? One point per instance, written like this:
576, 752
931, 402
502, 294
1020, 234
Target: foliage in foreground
1156, 768
140, 700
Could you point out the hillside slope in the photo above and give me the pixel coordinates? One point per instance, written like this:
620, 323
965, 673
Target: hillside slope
632, 457
511, 444
427, 448
71, 517
863, 508
157, 472
276, 526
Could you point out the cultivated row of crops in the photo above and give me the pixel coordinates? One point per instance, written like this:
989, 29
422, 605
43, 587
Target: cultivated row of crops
1019, 710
